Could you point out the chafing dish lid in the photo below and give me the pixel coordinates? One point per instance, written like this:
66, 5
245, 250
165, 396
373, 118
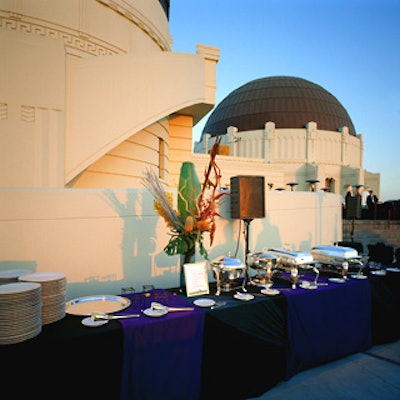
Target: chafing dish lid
335, 251
228, 262
265, 256
299, 257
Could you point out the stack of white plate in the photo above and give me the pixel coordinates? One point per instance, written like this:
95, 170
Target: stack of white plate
54, 291
20, 311
12, 275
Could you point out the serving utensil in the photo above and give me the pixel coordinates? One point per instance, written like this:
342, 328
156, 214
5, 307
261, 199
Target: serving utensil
158, 306
218, 304
363, 262
99, 315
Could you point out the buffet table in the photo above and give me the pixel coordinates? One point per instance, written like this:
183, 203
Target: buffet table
236, 350
162, 356
290, 332
329, 325
244, 352
66, 359
136, 358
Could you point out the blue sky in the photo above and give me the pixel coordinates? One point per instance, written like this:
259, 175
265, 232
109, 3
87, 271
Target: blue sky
349, 47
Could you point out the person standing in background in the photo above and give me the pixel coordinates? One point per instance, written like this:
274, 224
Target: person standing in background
372, 201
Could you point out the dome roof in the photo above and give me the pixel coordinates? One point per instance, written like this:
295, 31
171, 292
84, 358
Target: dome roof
289, 102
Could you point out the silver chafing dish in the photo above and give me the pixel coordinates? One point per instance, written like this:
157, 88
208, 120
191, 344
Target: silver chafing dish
334, 255
289, 258
336, 258
264, 263
275, 260
230, 274
291, 261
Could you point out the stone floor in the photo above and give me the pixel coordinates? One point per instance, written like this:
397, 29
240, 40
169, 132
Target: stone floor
370, 375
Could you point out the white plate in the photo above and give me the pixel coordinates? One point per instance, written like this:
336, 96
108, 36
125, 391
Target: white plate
337, 280
42, 277
357, 276
379, 272
104, 303
307, 285
150, 312
270, 292
393, 269
19, 287
243, 296
204, 302
93, 324
13, 273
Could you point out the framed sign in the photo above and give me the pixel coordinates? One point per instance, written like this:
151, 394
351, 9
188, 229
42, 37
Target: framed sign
196, 278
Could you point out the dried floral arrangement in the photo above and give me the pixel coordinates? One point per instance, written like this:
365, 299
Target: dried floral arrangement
197, 206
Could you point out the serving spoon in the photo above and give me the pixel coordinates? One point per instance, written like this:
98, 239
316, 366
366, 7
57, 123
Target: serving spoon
159, 306
99, 315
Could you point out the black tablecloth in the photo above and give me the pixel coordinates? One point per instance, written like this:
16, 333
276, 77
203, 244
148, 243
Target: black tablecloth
385, 306
244, 354
284, 334
65, 360
244, 347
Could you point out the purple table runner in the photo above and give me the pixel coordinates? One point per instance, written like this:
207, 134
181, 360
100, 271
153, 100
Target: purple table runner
162, 355
327, 323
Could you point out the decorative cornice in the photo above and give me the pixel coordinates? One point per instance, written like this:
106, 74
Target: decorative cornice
74, 40
133, 15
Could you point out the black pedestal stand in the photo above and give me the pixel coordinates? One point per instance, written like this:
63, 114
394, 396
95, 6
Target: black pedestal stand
247, 251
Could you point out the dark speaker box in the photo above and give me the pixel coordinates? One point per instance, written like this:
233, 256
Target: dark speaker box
247, 197
353, 207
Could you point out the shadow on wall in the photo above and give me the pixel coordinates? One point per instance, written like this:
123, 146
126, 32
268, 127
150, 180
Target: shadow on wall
140, 232
269, 237
18, 264
104, 240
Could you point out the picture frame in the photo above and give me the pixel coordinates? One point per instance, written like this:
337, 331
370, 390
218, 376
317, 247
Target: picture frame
196, 278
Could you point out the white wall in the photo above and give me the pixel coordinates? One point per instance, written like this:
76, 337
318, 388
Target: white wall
107, 239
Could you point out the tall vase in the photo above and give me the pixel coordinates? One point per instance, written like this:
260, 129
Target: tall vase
186, 258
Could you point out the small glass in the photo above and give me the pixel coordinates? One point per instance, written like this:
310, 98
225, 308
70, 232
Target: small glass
146, 296
128, 290
148, 288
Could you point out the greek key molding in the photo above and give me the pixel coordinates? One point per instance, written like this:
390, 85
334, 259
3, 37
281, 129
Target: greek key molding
77, 40
72, 40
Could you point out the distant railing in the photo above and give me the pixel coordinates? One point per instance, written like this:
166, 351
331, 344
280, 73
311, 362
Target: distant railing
386, 211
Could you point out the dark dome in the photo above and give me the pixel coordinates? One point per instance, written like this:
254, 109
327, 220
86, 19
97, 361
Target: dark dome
289, 102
